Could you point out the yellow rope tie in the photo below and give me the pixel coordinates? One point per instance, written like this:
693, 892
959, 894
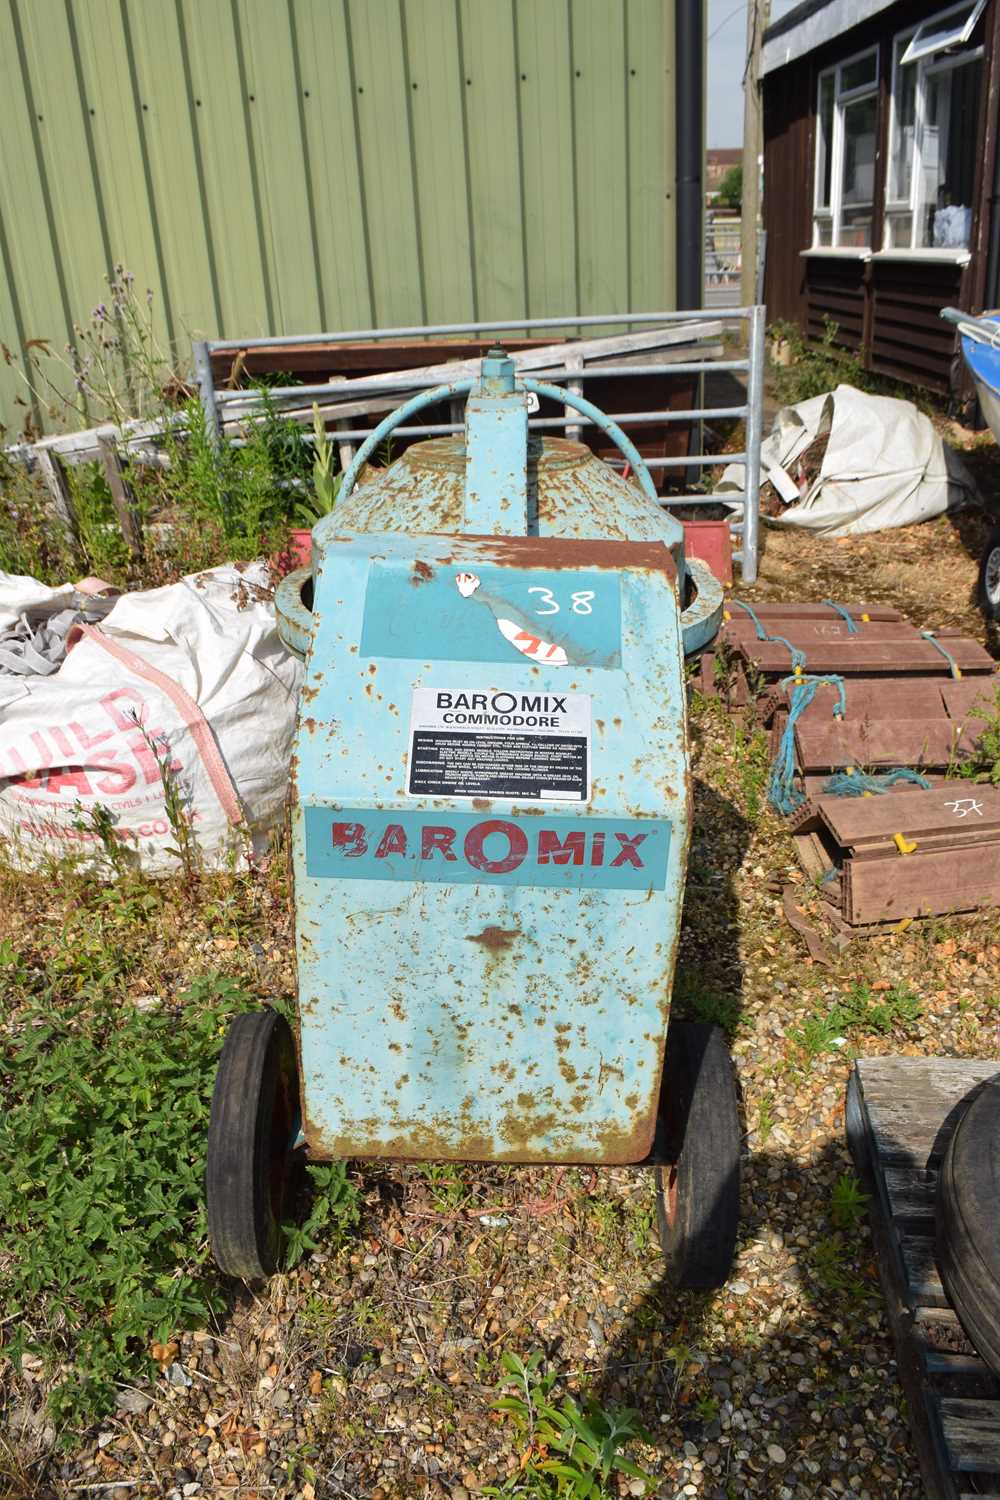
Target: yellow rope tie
903, 844
867, 619
726, 615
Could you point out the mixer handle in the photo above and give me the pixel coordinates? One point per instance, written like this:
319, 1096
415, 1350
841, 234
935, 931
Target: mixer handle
462, 388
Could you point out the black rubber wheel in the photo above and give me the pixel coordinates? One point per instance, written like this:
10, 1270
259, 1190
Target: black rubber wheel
968, 1245
989, 577
854, 1127
698, 1195
254, 1109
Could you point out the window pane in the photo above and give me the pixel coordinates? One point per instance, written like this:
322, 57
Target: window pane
943, 31
856, 226
904, 121
948, 160
858, 182
899, 231
824, 231
824, 142
854, 75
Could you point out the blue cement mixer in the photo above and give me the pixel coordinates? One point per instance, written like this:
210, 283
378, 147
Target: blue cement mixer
490, 826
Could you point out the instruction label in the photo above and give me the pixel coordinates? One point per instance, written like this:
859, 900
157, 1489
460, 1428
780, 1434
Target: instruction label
530, 746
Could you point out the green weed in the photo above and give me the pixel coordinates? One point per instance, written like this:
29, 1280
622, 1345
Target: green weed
753, 765
848, 1202
103, 1246
334, 1207
861, 1009
449, 1190
568, 1449
829, 1263
983, 763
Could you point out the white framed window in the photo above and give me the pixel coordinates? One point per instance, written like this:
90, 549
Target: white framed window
846, 121
936, 83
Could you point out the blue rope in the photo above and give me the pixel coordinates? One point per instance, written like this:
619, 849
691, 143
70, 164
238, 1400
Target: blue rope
782, 792
762, 634
852, 629
858, 783
928, 635
798, 657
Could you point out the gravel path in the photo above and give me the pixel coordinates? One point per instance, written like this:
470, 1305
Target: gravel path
372, 1371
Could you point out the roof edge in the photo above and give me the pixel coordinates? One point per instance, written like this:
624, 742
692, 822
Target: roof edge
811, 24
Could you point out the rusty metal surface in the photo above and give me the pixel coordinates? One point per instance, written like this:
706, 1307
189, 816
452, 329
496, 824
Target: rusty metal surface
511, 1004
570, 494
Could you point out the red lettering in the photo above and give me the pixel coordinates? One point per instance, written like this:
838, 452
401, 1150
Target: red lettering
56, 781
475, 853
597, 849
350, 839
628, 854
393, 841
135, 712
86, 741
120, 778
439, 838
567, 852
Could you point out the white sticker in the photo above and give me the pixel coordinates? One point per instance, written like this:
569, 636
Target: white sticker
529, 746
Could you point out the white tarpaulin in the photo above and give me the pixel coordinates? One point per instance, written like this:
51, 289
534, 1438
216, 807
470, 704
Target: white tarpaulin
884, 465
192, 676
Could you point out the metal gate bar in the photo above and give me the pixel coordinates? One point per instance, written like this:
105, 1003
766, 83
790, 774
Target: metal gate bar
745, 506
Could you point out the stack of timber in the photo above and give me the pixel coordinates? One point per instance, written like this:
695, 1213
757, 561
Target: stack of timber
877, 860
912, 700
900, 1113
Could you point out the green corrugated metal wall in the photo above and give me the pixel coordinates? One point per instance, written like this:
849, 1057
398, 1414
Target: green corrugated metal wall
288, 166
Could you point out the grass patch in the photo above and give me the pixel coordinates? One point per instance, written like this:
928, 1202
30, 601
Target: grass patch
861, 1009
102, 1224
567, 1449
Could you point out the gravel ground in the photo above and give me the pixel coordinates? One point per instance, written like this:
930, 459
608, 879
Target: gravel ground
372, 1372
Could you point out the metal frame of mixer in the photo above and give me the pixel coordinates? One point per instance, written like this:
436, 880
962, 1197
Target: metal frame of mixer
746, 523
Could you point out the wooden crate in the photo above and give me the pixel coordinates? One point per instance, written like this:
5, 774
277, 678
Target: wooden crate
900, 1113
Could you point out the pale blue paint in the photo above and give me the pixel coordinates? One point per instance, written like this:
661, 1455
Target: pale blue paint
486, 1014
431, 620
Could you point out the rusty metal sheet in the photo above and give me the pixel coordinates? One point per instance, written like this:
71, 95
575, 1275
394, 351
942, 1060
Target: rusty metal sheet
487, 977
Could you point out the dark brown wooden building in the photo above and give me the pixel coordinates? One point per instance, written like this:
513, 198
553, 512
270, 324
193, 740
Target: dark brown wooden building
882, 175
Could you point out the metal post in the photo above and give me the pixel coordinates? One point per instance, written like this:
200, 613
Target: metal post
206, 390
755, 422
574, 362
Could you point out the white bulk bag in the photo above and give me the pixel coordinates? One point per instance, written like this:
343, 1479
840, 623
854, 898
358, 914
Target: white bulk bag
197, 669
884, 465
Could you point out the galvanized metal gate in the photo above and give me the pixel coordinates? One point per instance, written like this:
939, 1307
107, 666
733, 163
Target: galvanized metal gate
751, 321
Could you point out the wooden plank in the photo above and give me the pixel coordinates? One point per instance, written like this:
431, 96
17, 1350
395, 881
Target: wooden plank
909, 698
938, 1482
769, 611
961, 698
906, 1099
855, 821
122, 496
911, 1193
928, 884
868, 658
923, 1279
971, 1432
903, 742
813, 856
54, 478
804, 633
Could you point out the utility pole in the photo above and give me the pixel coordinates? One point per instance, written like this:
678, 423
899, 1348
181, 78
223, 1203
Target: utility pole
758, 16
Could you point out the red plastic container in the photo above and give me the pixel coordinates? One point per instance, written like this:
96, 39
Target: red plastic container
712, 543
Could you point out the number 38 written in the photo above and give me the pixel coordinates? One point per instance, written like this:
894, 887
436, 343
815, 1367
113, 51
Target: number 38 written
580, 602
